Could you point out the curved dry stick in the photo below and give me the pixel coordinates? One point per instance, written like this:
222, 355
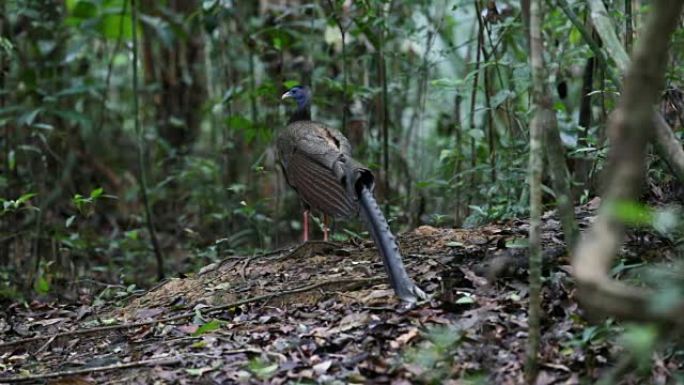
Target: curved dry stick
630, 130
95, 369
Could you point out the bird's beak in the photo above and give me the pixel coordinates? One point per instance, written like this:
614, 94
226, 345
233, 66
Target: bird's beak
286, 95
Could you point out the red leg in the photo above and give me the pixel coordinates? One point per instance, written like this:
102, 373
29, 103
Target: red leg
306, 226
325, 227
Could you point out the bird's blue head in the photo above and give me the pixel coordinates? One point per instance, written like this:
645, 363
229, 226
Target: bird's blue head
300, 94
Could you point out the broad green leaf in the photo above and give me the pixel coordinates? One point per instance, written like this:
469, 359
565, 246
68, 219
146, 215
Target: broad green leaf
96, 193
161, 27
290, 83
641, 340
262, 368
476, 134
25, 197
114, 25
277, 43
71, 4
207, 327
632, 213
199, 345
113, 5
42, 286
83, 10
501, 97
239, 122
465, 300
29, 117
575, 37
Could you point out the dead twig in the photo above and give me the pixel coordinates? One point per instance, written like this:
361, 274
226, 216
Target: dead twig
95, 369
243, 271
45, 345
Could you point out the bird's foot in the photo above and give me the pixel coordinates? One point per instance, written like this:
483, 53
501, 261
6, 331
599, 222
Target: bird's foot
408, 292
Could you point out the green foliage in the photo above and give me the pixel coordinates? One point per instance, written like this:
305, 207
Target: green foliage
640, 341
435, 356
211, 76
207, 327
85, 205
111, 19
666, 220
9, 205
261, 368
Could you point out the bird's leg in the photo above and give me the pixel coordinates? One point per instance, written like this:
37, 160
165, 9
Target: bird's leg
305, 236
325, 227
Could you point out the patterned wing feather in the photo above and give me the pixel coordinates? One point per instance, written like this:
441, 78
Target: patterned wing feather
318, 187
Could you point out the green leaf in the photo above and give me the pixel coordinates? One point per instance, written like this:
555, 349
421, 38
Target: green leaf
70, 220
75, 116
262, 368
446, 154
29, 117
476, 134
83, 9
632, 213
641, 341
164, 31
207, 327
198, 371
96, 193
239, 122
42, 286
501, 97
111, 26
71, 4
277, 43
290, 83
448, 83
465, 300
199, 345
25, 197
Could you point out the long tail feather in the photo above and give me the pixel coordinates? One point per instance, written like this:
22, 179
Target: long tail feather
387, 246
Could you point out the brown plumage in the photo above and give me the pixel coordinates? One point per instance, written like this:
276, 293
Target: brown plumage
313, 158
318, 164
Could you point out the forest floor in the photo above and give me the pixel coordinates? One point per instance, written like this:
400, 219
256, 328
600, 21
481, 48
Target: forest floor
323, 313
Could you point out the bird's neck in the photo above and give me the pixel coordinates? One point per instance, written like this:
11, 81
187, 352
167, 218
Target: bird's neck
303, 112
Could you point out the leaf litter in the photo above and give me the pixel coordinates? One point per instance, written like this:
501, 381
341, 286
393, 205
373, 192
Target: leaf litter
347, 329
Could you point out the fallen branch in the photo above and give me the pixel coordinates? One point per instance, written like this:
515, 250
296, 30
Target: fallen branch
191, 314
95, 369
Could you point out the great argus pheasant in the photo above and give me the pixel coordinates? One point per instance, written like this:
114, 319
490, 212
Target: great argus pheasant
318, 165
